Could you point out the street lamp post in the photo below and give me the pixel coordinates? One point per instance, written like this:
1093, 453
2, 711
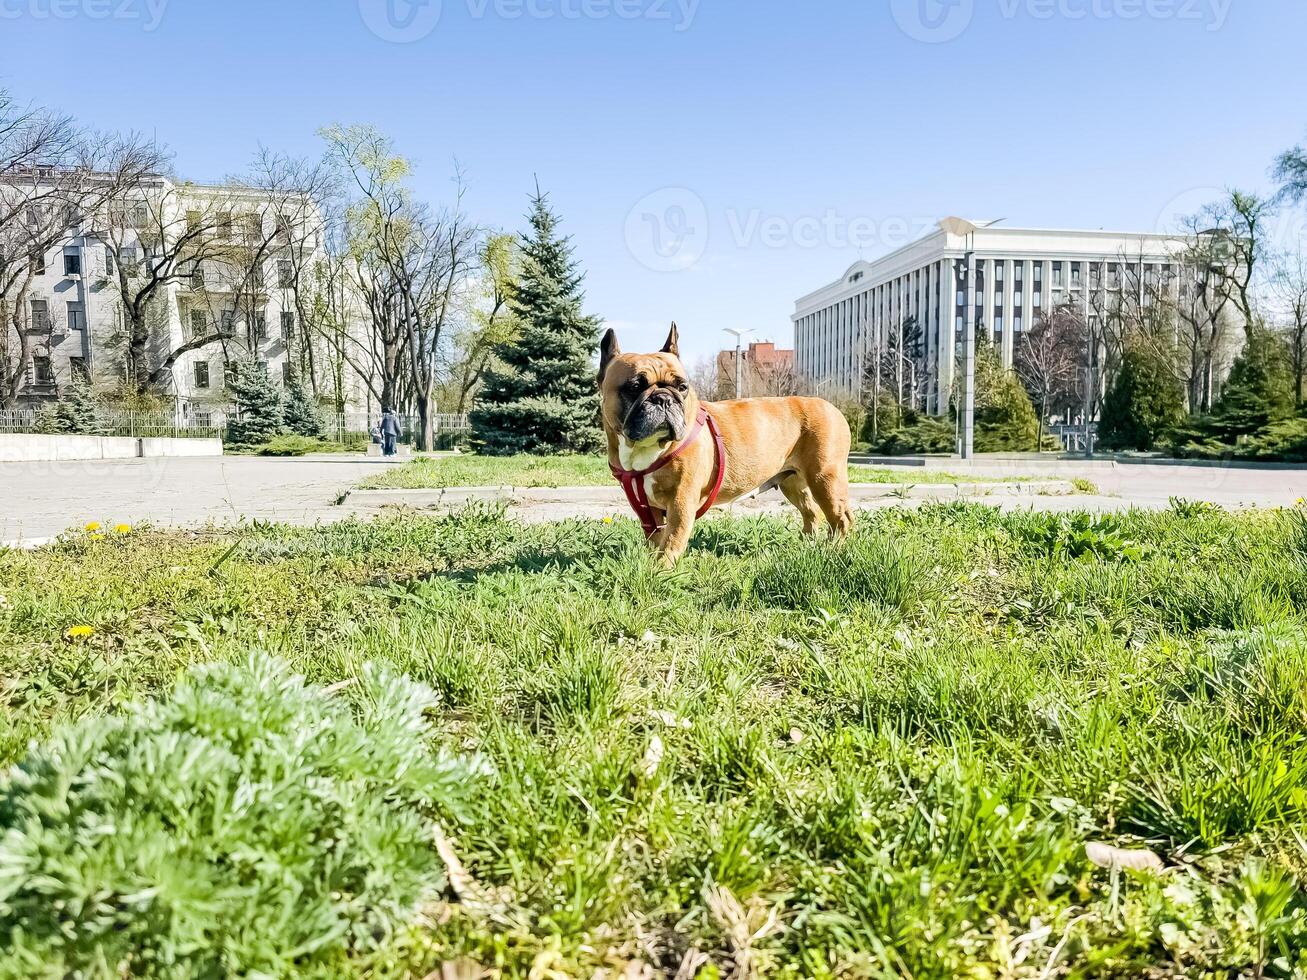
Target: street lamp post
966, 270
739, 356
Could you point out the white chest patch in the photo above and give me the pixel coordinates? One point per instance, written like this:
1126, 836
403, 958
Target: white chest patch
639, 455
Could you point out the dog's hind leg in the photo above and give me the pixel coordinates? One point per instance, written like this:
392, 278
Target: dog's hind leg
796, 492
830, 487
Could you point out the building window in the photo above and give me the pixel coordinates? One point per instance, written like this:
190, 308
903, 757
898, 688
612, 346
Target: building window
1017, 298
201, 374
283, 228
287, 373
1075, 275
193, 222
76, 316
260, 327
253, 227
42, 371
224, 225
40, 315
108, 261
287, 325
998, 325
37, 260
197, 323
256, 275
228, 320
285, 274
78, 369
197, 277
129, 260
229, 374
1057, 275
72, 262
1017, 324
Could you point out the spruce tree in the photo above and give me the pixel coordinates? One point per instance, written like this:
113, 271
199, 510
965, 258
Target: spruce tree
75, 413
1259, 390
302, 417
1144, 403
541, 397
258, 403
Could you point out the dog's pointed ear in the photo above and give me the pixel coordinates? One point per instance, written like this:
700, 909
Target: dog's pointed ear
608, 349
672, 346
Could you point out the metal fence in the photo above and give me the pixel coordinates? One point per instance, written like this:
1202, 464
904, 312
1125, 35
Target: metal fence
349, 428
1074, 436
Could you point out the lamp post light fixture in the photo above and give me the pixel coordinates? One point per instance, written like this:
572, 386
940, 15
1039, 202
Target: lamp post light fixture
739, 356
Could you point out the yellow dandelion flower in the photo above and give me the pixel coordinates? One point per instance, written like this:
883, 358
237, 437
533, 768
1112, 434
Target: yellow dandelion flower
1302, 502
608, 520
97, 537
92, 526
122, 529
80, 632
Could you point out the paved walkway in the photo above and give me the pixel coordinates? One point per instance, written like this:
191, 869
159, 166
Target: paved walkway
38, 500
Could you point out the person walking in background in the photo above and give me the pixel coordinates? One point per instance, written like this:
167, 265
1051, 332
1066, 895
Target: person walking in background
390, 430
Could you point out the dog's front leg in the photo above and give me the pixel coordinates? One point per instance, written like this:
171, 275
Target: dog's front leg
674, 538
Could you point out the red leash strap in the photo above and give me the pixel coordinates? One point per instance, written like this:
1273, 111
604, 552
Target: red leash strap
633, 480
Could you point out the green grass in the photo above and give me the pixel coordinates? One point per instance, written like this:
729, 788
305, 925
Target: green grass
426, 473
882, 758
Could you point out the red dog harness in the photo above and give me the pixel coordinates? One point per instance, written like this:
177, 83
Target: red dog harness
633, 480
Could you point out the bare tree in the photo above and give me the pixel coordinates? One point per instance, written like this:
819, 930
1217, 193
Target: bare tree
162, 233
371, 176
1290, 172
705, 378
413, 265
490, 320
431, 257
53, 181
1289, 289
1049, 360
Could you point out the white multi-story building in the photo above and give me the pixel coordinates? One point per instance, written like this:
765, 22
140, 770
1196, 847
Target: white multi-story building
227, 295
1021, 273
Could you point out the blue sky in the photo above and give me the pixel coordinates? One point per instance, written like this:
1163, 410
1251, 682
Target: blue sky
712, 159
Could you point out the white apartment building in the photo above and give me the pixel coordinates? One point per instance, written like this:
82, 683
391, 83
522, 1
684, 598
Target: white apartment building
240, 288
1020, 274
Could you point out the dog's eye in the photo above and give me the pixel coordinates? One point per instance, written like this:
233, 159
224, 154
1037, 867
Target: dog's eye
636, 384
682, 387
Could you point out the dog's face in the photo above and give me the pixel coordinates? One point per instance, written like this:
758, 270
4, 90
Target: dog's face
645, 395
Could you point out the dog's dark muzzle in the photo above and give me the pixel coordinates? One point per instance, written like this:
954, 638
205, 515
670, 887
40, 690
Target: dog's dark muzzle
656, 410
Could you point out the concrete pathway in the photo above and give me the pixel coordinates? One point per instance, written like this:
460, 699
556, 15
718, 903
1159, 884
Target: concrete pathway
39, 500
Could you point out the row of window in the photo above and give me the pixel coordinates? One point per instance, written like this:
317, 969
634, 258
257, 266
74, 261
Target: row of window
41, 316
200, 323
229, 371
131, 262
43, 371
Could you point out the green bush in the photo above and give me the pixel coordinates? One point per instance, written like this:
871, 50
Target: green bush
296, 445
1143, 404
249, 825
